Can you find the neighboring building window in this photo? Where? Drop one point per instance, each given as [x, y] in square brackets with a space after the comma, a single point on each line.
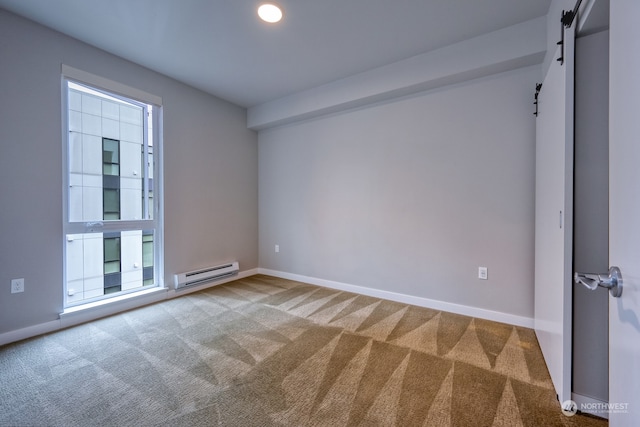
[112, 216]
[112, 276]
[147, 257]
[111, 178]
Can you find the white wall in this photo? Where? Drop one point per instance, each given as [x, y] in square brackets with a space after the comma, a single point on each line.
[210, 163]
[411, 195]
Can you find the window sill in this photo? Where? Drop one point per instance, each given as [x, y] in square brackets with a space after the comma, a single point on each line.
[94, 310]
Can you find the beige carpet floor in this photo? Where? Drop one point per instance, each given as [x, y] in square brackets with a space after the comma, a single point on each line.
[264, 351]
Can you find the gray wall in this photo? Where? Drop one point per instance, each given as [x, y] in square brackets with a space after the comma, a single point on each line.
[591, 216]
[210, 160]
[411, 195]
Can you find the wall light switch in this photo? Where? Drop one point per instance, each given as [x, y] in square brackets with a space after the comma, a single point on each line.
[277, 248]
[483, 273]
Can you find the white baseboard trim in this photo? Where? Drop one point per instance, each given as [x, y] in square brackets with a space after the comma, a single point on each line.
[108, 307]
[29, 331]
[82, 316]
[591, 405]
[465, 310]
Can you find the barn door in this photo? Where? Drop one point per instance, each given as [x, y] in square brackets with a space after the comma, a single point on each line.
[554, 213]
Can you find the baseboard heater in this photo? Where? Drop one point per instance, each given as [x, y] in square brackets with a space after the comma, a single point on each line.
[203, 275]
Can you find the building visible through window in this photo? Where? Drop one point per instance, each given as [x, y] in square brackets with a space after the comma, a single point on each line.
[110, 223]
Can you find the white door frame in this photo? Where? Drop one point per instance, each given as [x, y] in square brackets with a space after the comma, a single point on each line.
[624, 211]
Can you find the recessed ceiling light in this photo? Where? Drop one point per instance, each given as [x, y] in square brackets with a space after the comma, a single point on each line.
[269, 12]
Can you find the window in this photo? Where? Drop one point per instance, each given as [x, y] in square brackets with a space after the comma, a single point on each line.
[147, 257]
[112, 213]
[111, 270]
[111, 178]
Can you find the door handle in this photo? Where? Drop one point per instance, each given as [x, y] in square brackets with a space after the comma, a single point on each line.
[612, 281]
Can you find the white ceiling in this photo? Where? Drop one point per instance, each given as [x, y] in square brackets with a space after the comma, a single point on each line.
[221, 47]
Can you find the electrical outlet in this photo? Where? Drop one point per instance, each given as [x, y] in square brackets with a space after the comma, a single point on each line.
[277, 248]
[483, 273]
[17, 285]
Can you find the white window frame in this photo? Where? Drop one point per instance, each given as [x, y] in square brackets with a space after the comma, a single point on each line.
[112, 88]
